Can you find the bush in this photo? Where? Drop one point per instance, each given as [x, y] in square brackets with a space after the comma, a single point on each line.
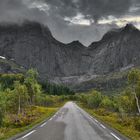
[49, 101]
[1, 117]
[107, 103]
[137, 123]
[94, 99]
[102, 112]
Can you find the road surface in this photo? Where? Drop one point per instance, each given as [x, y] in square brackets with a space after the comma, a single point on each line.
[72, 123]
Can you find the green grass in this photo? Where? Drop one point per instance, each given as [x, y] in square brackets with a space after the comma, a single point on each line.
[124, 126]
[10, 131]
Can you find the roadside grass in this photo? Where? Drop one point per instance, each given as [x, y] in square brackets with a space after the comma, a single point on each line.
[37, 115]
[126, 125]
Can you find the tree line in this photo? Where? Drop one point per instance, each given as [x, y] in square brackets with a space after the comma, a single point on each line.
[126, 104]
[19, 92]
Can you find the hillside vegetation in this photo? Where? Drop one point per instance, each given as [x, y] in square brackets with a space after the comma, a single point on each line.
[24, 103]
[120, 111]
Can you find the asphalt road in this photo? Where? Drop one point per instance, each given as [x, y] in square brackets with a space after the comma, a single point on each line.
[72, 123]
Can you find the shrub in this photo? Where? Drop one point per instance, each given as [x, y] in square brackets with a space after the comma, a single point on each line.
[94, 99]
[107, 103]
[137, 123]
[1, 117]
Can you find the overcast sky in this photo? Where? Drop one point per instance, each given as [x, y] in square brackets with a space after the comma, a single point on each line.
[68, 20]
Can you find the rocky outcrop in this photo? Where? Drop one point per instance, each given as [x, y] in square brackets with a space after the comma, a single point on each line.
[32, 45]
[118, 49]
[9, 66]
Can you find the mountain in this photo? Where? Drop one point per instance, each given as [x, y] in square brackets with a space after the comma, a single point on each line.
[119, 49]
[31, 44]
[9, 66]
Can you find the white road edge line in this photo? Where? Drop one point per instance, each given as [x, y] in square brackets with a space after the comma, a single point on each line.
[87, 114]
[115, 136]
[28, 134]
[50, 119]
[95, 120]
[102, 126]
[43, 124]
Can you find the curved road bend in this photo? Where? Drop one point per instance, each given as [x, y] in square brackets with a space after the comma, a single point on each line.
[72, 123]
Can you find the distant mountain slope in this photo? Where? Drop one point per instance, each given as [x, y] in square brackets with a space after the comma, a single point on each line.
[118, 50]
[32, 45]
[9, 66]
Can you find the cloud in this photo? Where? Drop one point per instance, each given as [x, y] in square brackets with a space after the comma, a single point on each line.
[41, 6]
[122, 21]
[91, 9]
[17, 11]
[84, 20]
[79, 19]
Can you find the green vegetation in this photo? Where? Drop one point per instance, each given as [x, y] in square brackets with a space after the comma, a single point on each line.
[32, 117]
[23, 102]
[120, 111]
[108, 84]
[55, 89]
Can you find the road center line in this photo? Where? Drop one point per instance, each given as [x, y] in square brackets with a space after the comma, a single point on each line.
[115, 136]
[28, 134]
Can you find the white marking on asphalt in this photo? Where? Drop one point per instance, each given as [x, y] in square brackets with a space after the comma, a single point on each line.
[2, 57]
[102, 126]
[115, 136]
[28, 134]
[43, 124]
[95, 120]
[50, 119]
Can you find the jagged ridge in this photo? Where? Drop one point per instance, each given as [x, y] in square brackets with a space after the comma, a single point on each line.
[32, 45]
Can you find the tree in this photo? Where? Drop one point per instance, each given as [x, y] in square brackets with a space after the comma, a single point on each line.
[2, 104]
[1, 116]
[21, 95]
[55, 89]
[107, 103]
[7, 80]
[32, 85]
[125, 103]
[134, 81]
[94, 99]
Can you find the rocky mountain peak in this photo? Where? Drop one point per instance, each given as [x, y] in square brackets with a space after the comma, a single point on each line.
[32, 45]
[33, 27]
[129, 27]
[76, 44]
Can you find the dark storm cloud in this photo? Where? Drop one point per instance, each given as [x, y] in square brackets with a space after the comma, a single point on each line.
[91, 8]
[18, 11]
[54, 12]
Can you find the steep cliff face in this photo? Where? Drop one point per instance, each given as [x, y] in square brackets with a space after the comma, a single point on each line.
[32, 45]
[118, 50]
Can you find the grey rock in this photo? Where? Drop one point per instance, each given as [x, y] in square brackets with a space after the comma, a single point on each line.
[32, 45]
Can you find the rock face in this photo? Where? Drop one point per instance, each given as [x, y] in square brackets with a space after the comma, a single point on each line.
[118, 50]
[9, 66]
[32, 45]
